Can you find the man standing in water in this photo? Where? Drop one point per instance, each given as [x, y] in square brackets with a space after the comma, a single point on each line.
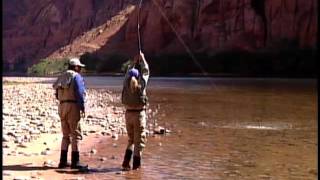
[70, 91]
[134, 98]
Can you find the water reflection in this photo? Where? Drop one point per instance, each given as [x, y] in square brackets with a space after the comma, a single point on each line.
[241, 129]
[241, 132]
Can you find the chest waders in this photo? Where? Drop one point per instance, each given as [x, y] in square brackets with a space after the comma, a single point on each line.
[69, 113]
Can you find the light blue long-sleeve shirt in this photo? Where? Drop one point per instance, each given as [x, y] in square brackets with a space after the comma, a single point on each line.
[80, 90]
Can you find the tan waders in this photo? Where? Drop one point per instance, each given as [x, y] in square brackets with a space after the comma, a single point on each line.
[136, 128]
[70, 124]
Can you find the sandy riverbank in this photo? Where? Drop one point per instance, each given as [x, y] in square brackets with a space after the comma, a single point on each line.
[31, 127]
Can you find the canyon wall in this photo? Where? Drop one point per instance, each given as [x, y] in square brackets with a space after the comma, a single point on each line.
[61, 28]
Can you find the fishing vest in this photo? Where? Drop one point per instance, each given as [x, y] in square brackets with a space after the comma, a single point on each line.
[65, 86]
[129, 98]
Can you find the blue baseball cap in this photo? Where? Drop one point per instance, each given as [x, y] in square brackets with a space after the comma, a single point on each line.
[134, 72]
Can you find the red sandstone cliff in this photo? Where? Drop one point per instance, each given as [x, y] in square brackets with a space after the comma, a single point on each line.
[58, 28]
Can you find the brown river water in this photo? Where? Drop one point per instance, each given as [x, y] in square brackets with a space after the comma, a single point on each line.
[222, 128]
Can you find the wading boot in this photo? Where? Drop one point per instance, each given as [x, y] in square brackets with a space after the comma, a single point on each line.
[63, 159]
[75, 163]
[136, 162]
[126, 160]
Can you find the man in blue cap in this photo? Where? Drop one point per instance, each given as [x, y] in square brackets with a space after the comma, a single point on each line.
[134, 97]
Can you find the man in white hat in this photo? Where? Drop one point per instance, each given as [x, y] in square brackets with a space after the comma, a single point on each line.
[70, 91]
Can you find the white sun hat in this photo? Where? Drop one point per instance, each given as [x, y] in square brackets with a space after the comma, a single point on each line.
[75, 62]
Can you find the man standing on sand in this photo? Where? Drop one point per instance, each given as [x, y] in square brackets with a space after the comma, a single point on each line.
[70, 91]
[134, 98]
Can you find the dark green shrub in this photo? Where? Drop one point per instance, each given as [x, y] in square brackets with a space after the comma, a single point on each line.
[112, 63]
[91, 61]
[48, 67]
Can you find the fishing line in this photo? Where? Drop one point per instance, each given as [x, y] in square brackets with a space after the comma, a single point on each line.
[183, 43]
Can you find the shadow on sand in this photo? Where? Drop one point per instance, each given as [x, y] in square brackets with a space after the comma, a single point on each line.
[89, 171]
[26, 168]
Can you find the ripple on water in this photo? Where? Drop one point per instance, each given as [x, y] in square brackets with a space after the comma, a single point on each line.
[259, 126]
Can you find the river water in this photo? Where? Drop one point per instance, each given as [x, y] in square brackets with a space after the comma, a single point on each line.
[222, 128]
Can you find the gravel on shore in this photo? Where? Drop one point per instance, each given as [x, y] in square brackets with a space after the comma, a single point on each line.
[30, 110]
